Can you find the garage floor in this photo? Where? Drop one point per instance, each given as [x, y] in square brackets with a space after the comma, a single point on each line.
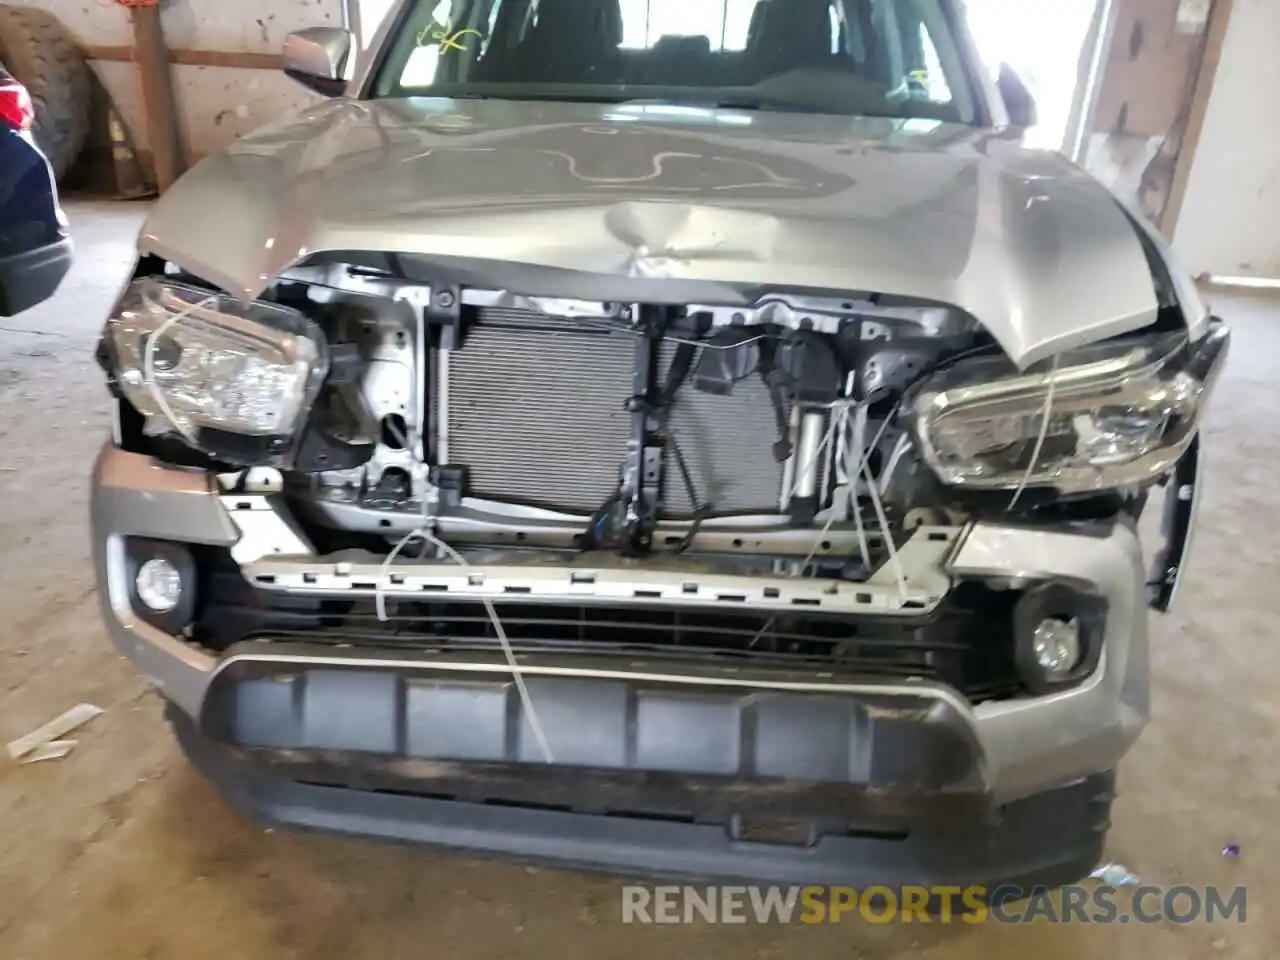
[121, 851]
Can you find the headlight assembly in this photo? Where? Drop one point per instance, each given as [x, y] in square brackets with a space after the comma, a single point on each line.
[236, 379]
[1118, 413]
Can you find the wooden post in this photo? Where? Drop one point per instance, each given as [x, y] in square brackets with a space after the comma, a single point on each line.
[1197, 109]
[157, 95]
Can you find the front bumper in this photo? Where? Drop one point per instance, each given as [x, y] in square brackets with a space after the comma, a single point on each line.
[892, 754]
[1052, 838]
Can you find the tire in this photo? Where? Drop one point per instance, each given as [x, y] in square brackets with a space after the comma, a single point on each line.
[40, 53]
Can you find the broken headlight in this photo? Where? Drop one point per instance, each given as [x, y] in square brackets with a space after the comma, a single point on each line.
[235, 379]
[1105, 416]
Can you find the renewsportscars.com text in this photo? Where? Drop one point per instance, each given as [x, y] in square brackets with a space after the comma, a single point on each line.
[939, 904]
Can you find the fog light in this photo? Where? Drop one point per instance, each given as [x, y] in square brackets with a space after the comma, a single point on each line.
[162, 583]
[1057, 646]
[1057, 633]
[159, 585]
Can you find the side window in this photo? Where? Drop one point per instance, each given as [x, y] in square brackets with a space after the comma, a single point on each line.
[493, 23]
[909, 61]
[737, 23]
[934, 79]
[420, 70]
[635, 24]
[448, 41]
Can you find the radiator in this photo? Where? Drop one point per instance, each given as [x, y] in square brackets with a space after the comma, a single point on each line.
[536, 414]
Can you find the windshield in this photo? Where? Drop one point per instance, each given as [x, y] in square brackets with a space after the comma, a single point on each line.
[889, 58]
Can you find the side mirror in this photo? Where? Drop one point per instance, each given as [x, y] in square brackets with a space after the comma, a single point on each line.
[1018, 102]
[317, 58]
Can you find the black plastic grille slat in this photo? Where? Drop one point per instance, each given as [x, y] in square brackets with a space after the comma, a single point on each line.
[552, 627]
[967, 649]
[867, 666]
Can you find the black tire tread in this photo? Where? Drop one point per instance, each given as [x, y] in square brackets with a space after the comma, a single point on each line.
[42, 55]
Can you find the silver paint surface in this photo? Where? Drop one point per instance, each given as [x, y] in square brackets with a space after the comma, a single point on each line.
[718, 200]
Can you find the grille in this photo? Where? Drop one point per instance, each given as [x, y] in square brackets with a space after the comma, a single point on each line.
[536, 414]
[967, 649]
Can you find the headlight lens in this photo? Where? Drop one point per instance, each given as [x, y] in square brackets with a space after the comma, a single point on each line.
[211, 366]
[1121, 413]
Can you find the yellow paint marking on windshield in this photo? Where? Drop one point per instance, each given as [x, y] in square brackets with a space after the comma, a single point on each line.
[444, 37]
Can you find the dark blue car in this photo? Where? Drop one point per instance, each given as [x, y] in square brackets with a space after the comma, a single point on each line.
[35, 249]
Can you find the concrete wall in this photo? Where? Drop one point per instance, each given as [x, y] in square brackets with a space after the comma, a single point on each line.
[216, 104]
[1229, 218]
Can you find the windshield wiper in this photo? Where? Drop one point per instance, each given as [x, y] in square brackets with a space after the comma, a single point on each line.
[754, 101]
[730, 101]
[523, 95]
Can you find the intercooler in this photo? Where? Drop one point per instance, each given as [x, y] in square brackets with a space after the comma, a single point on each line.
[536, 414]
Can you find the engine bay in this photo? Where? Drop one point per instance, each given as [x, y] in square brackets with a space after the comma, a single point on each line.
[765, 437]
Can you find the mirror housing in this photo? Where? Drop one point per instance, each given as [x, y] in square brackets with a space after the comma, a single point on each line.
[1018, 102]
[317, 58]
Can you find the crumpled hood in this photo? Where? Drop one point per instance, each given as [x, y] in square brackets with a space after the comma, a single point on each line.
[1035, 249]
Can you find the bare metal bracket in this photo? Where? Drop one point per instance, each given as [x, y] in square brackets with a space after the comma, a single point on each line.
[922, 559]
[1178, 524]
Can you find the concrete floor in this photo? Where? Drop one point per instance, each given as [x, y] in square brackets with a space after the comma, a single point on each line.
[121, 851]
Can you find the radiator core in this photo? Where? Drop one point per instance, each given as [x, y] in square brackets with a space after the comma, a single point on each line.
[536, 414]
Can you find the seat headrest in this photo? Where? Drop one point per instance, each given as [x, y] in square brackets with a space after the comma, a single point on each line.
[598, 20]
[669, 45]
[758, 13]
[791, 33]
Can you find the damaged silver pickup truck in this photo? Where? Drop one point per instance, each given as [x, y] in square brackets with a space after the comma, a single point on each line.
[712, 448]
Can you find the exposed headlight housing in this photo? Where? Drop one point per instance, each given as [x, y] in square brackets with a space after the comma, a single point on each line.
[236, 379]
[1119, 413]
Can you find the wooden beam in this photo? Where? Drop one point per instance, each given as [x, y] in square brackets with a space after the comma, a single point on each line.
[190, 58]
[157, 95]
[1215, 36]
